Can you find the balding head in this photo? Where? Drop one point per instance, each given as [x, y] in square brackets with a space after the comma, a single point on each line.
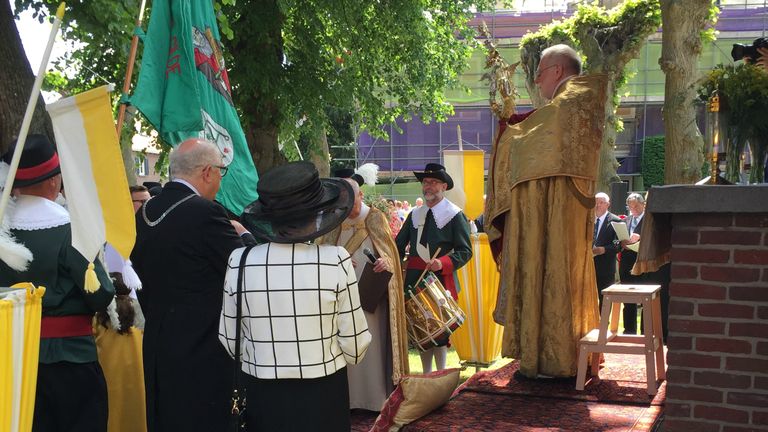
[557, 63]
[198, 162]
[602, 202]
[358, 199]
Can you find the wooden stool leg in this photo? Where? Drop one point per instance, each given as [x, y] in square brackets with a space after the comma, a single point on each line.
[581, 375]
[650, 360]
[595, 369]
[661, 370]
[604, 319]
[615, 311]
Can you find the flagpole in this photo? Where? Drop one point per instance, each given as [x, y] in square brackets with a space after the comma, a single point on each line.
[129, 69]
[21, 140]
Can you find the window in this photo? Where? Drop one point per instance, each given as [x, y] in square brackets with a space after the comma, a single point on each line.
[142, 165]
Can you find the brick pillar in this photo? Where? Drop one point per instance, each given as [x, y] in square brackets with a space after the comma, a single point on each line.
[718, 320]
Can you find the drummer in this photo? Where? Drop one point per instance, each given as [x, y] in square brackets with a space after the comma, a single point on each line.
[437, 236]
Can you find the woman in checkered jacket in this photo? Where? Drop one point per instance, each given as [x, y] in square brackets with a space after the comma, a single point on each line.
[301, 317]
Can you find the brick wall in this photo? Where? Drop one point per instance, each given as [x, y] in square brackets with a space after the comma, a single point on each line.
[718, 323]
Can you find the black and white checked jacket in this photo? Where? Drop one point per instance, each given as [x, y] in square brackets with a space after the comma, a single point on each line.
[300, 308]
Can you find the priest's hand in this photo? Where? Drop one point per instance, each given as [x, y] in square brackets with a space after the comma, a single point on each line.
[381, 265]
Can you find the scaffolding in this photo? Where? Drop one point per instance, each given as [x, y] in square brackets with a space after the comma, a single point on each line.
[417, 143]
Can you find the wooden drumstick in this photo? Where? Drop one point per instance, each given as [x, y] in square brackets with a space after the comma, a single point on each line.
[418, 281]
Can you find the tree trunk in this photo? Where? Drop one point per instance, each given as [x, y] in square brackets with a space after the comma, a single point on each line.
[319, 153]
[261, 39]
[683, 21]
[262, 142]
[17, 80]
[126, 145]
[606, 171]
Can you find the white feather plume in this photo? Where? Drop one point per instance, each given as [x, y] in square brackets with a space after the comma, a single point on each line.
[16, 255]
[4, 170]
[369, 172]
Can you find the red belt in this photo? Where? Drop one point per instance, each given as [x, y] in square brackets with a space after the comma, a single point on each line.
[66, 326]
[416, 263]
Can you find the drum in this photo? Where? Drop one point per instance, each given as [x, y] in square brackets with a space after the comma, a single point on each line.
[431, 313]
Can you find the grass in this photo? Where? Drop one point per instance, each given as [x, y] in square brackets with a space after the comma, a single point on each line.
[453, 361]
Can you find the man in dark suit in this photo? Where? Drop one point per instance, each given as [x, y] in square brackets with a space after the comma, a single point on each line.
[605, 244]
[634, 221]
[183, 242]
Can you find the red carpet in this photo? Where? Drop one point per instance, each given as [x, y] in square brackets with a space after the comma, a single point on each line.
[622, 380]
[500, 400]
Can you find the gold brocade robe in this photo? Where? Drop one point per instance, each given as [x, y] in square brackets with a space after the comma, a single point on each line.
[376, 227]
[540, 217]
[120, 359]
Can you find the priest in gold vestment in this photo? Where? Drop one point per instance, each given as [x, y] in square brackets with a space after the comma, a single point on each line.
[386, 361]
[540, 218]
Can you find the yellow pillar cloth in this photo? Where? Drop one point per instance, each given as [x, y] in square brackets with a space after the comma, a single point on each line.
[541, 209]
[478, 340]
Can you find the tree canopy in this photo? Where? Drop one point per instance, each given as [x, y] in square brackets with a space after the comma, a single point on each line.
[292, 62]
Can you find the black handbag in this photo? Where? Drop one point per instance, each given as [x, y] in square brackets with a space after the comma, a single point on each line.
[237, 417]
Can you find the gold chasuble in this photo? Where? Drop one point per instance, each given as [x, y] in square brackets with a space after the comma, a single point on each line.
[376, 227]
[540, 220]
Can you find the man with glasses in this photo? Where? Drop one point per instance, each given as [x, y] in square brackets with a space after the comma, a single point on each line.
[183, 242]
[438, 229]
[540, 217]
[139, 195]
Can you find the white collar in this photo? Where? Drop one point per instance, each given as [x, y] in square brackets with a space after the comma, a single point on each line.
[187, 184]
[443, 212]
[364, 210]
[602, 218]
[36, 213]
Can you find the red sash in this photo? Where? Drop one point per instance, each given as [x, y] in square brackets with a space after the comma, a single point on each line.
[416, 263]
[66, 326]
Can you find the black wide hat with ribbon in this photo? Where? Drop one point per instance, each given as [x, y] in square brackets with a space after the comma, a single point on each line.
[436, 171]
[295, 205]
[39, 161]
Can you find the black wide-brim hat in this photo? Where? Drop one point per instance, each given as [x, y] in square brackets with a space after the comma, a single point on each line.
[436, 171]
[295, 205]
[39, 161]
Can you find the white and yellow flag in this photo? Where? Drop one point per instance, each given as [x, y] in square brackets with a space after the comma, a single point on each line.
[92, 169]
[467, 169]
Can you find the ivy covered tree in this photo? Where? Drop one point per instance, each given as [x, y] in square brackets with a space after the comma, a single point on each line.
[608, 39]
[687, 25]
[293, 61]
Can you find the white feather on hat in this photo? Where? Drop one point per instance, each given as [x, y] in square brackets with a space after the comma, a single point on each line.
[369, 172]
[15, 254]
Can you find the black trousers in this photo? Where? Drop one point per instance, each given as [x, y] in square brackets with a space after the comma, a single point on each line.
[71, 397]
[298, 405]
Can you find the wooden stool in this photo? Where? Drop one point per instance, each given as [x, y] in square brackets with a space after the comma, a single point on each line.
[603, 340]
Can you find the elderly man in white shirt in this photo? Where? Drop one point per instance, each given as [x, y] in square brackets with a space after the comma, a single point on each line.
[302, 322]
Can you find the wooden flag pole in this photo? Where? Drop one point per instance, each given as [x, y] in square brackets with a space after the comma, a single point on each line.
[129, 69]
[458, 131]
[31, 103]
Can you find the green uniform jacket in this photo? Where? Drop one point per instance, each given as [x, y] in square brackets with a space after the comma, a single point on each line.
[60, 268]
[452, 239]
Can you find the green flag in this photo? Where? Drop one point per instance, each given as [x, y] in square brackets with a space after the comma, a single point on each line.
[184, 91]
